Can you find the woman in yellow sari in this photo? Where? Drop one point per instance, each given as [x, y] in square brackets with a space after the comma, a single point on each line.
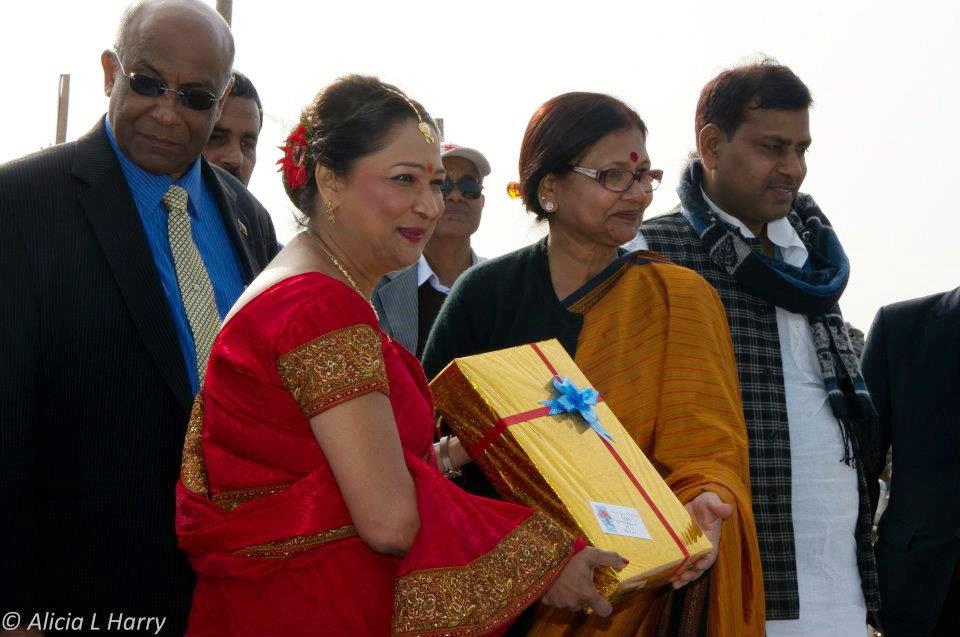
[652, 338]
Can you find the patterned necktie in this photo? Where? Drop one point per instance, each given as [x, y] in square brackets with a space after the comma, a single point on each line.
[196, 290]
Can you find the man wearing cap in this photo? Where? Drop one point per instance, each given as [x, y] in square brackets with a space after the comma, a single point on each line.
[409, 300]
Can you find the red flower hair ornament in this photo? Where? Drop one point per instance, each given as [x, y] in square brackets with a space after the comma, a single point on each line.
[293, 164]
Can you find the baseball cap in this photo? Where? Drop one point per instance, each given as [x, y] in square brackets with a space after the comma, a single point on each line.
[473, 156]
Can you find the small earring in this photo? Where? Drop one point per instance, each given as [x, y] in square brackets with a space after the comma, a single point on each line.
[549, 206]
[328, 208]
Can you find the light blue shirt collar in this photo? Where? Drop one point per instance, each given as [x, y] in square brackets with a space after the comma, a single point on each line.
[147, 188]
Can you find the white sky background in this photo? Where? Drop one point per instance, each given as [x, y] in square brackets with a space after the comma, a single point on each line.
[884, 77]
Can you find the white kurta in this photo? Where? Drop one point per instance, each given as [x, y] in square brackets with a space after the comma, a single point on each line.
[825, 501]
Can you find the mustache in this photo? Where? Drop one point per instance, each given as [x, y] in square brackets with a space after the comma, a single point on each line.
[783, 183]
[165, 136]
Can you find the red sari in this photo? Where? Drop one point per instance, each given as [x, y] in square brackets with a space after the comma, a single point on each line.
[262, 520]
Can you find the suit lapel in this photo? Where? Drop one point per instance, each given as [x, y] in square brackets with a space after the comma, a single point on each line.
[398, 297]
[109, 208]
[234, 220]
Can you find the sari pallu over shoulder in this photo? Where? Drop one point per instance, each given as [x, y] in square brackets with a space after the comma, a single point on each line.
[221, 533]
[472, 570]
[284, 558]
[656, 345]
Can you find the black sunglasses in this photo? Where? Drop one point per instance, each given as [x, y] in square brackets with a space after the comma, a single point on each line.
[469, 187]
[195, 99]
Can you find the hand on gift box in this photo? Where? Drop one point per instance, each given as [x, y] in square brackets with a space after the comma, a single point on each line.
[709, 512]
[574, 587]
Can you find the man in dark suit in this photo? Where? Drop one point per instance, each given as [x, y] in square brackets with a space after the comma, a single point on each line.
[121, 253]
[912, 366]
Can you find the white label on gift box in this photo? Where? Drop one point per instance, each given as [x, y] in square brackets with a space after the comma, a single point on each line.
[618, 520]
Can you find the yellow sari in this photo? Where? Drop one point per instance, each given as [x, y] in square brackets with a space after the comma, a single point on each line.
[655, 343]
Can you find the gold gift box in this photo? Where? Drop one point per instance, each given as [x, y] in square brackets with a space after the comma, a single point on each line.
[559, 464]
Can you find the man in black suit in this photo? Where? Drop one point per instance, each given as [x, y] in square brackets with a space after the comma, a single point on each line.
[121, 252]
[912, 366]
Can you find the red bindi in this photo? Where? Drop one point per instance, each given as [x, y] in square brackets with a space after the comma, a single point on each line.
[429, 167]
[634, 156]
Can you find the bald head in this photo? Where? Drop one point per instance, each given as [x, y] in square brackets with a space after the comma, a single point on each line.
[140, 18]
[180, 45]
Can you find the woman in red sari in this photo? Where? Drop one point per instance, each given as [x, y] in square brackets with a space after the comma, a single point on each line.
[311, 499]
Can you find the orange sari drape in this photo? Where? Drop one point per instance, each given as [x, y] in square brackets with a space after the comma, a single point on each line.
[655, 343]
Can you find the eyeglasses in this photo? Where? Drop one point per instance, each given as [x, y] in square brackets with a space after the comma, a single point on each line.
[620, 180]
[469, 187]
[195, 99]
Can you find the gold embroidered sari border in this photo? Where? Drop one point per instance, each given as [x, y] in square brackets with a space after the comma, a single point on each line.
[289, 547]
[480, 596]
[345, 395]
[230, 500]
[334, 368]
[193, 468]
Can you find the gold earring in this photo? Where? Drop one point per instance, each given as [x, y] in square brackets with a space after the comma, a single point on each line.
[328, 208]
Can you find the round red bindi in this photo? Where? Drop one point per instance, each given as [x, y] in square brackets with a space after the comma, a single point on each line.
[634, 156]
[429, 168]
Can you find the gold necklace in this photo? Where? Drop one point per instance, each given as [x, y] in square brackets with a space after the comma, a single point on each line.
[339, 266]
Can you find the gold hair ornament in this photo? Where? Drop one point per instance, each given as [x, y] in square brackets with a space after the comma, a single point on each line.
[423, 127]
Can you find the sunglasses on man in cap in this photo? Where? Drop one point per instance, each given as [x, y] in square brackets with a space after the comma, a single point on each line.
[468, 186]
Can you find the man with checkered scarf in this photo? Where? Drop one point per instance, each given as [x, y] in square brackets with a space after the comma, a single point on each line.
[780, 270]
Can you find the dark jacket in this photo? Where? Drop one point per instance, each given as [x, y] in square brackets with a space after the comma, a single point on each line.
[94, 396]
[912, 366]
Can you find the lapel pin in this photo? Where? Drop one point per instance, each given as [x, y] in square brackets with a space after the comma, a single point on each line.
[243, 229]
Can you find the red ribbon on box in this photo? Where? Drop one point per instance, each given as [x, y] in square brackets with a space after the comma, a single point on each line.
[533, 414]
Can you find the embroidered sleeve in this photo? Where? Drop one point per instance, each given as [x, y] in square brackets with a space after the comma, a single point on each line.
[480, 596]
[334, 368]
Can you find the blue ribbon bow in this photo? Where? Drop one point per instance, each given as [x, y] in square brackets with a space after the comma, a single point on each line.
[571, 399]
